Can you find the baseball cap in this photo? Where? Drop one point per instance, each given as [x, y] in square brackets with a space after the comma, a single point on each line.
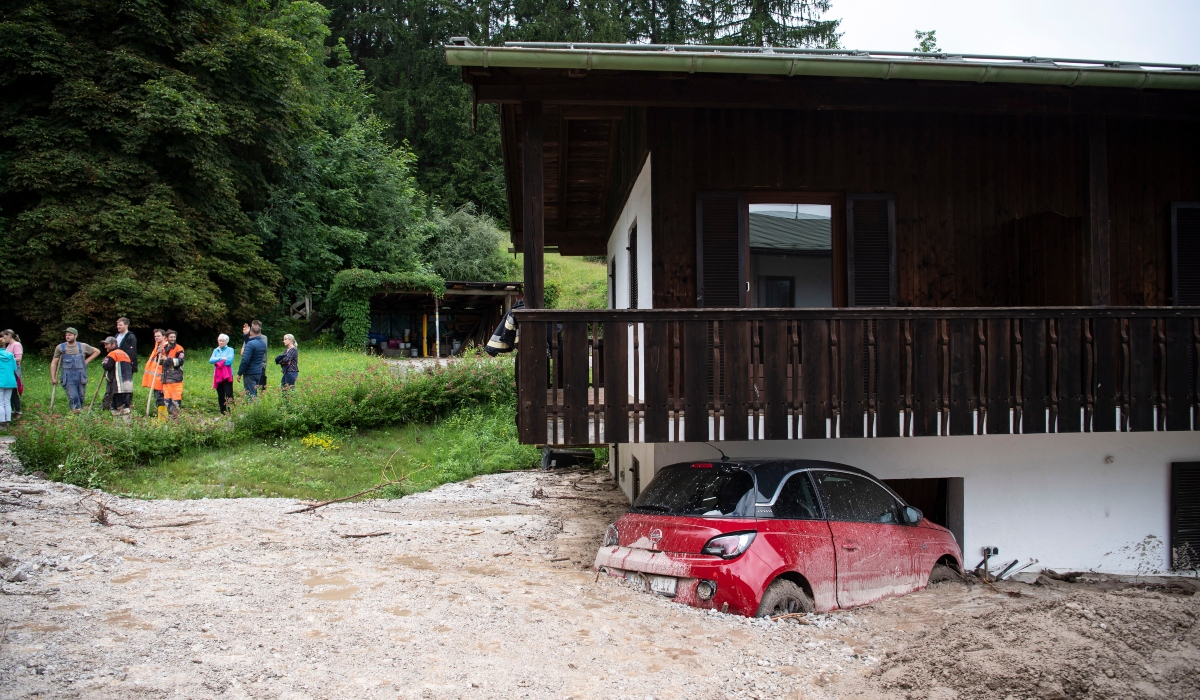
[71, 330]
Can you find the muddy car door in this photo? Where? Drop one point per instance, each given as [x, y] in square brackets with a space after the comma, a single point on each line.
[795, 527]
[870, 539]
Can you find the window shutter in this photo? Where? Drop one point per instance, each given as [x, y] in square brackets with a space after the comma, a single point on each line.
[719, 251]
[871, 249]
[1185, 253]
[633, 268]
[1185, 515]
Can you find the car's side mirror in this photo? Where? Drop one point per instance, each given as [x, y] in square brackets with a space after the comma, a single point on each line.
[912, 515]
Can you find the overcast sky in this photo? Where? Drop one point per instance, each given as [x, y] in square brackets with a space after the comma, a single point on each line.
[1145, 30]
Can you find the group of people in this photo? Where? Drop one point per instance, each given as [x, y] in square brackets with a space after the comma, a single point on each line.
[162, 374]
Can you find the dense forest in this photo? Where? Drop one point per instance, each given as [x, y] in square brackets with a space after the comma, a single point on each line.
[191, 162]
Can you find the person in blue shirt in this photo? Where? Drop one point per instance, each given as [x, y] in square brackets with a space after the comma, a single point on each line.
[222, 362]
[254, 355]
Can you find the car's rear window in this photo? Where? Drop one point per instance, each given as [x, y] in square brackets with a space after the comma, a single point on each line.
[712, 490]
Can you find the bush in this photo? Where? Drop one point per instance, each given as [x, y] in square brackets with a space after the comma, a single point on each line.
[85, 449]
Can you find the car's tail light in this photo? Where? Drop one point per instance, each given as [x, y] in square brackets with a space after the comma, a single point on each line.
[729, 546]
[702, 465]
[612, 538]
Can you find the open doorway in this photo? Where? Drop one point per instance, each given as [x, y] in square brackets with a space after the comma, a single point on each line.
[941, 500]
[791, 255]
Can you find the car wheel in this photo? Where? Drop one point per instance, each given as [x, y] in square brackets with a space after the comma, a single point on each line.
[942, 573]
[783, 598]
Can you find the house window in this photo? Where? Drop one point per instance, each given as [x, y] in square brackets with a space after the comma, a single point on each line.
[791, 255]
[633, 268]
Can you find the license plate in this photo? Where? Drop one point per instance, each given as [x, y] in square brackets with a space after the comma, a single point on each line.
[663, 585]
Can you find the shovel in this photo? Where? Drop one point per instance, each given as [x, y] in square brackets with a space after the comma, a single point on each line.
[99, 384]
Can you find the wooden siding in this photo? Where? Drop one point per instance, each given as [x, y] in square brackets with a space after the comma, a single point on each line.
[991, 210]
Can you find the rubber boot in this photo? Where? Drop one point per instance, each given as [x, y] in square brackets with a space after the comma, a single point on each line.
[162, 412]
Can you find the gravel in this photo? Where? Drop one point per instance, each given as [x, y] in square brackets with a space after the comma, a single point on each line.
[481, 589]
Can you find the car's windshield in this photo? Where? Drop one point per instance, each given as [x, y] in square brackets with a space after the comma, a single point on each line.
[706, 490]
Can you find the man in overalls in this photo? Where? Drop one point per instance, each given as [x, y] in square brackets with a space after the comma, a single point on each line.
[73, 357]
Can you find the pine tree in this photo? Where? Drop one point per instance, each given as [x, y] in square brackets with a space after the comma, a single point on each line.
[791, 23]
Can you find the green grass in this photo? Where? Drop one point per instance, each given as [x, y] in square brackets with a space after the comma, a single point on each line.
[198, 394]
[579, 283]
[472, 441]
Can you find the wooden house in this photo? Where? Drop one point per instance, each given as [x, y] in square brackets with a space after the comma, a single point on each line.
[977, 277]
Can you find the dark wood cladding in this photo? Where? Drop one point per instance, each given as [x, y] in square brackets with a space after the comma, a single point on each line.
[991, 210]
[735, 374]
[590, 159]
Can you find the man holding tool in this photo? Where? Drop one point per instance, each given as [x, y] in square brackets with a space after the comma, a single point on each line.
[118, 372]
[73, 357]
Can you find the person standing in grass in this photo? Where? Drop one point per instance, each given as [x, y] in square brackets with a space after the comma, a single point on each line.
[73, 357]
[152, 376]
[222, 362]
[255, 328]
[127, 343]
[172, 374]
[12, 342]
[254, 355]
[118, 369]
[289, 362]
[8, 385]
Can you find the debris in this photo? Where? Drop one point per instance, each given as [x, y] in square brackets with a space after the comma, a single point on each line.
[368, 534]
[183, 523]
[529, 505]
[128, 540]
[502, 554]
[476, 532]
[561, 559]
[25, 490]
[385, 480]
[797, 616]
[1068, 577]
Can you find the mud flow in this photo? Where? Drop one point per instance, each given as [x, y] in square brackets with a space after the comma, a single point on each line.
[484, 589]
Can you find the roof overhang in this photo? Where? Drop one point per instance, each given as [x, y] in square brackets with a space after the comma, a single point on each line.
[827, 63]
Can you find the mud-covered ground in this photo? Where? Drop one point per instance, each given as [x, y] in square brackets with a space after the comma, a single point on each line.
[482, 590]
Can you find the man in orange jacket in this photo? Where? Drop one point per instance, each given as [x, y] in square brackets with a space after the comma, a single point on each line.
[172, 374]
[152, 375]
[118, 370]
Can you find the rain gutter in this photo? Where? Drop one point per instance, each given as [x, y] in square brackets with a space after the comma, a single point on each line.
[836, 64]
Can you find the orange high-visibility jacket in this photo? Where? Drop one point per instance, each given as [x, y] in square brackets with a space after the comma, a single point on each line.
[152, 375]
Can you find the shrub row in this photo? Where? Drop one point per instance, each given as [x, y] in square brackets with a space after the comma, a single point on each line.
[82, 449]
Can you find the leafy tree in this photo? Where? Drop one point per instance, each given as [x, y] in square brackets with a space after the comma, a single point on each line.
[349, 199]
[926, 41]
[463, 246]
[134, 139]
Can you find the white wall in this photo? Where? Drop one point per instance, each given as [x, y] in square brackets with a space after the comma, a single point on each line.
[636, 210]
[1073, 501]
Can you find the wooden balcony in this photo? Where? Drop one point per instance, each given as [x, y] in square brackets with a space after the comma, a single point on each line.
[781, 374]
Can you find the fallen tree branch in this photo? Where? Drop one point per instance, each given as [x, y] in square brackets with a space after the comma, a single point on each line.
[24, 490]
[501, 554]
[527, 505]
[183, 523]
[368, 534]
[579, 498]
[385, 481]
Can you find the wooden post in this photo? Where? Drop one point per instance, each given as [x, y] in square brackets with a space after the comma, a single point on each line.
[1098, 228]
[532, 206]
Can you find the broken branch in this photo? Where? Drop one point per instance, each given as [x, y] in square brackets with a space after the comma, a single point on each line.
[183, 523]
[368, 534]
[385, 481]
[797, 616]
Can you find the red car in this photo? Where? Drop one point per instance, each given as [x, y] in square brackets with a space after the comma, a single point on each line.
[774, 537]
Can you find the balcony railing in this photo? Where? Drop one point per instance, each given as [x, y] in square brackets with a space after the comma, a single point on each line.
[756, 374]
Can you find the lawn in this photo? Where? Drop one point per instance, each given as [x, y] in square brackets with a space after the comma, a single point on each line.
[198, 394]
[323, 466]
[576, 283]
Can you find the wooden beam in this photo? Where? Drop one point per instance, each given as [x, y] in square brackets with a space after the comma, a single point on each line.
[1098, 229]
[728, 92]
[564, 139]
[533, 199]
